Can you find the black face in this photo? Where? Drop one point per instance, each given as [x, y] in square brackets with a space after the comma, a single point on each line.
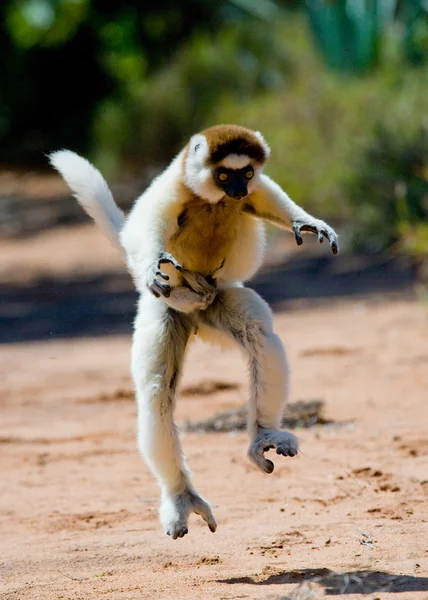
[234, 181]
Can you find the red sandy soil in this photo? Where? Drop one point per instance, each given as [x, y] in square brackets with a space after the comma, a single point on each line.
[349, 514]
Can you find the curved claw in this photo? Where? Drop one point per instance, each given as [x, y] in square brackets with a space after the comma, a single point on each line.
[159, 288]
[203, 509]
[175, 510]
[331, 237]
[163, 275]
[166, 257]
[321, 233]
[296, 229]
[256, 455]
[284, 442]
[179, 533]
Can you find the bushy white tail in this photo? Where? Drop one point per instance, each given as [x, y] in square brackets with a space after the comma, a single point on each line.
[91, 191]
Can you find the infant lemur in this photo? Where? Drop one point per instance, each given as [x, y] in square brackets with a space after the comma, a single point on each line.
[191, 240]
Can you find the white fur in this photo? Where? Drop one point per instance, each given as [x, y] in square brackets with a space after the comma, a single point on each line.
[235, 161]
[91, 191]
[150, 222]
[227, 311]
[153, 220]
[157, 352]
[264, 143]
[198, 176]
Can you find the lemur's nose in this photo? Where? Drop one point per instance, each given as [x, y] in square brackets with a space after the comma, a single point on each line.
[238, 195]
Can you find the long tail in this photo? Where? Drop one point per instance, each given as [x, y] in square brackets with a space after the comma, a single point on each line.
[91, 191]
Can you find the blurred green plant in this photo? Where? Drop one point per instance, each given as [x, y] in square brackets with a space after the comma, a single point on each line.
[149, 119]
[61, 58]
[350, 33]
[42, 22]
[389, 192]
[327, 147]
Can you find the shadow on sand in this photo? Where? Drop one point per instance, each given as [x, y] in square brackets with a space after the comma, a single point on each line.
[335, 584]
[95, 305]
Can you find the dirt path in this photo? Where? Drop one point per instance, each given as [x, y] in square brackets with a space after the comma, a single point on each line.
[79, 507]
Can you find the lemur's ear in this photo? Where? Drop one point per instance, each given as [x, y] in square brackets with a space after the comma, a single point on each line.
[264, 143]
[198, 146]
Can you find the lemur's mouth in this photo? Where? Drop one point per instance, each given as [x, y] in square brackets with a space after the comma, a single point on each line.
[237, 197]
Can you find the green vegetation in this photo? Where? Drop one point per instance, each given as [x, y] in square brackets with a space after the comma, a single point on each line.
[351, 33]
[343, 144]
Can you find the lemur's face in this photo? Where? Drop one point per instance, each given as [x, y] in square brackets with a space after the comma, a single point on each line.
[224, 160]
[233, 182]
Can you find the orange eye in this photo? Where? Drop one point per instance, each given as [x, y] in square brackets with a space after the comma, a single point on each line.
[249, 174]
[223, 176]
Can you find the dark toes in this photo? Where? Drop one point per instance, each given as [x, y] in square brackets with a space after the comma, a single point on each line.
[283, 451]
[299, 240]
[178, 534]
[168, 258]
[163, 289]
[163, 275]
[296, 230]
[286, 451]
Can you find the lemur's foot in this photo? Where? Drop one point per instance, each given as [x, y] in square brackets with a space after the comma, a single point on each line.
[284, 442]
[176, 508]
[204, 288]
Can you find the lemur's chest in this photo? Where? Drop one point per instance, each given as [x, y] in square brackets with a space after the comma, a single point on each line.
[205, 234]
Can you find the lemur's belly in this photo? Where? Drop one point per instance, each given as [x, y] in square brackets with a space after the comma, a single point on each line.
[210, 237]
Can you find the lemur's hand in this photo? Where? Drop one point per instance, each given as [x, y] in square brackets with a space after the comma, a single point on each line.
[156, 285]
[321, 229]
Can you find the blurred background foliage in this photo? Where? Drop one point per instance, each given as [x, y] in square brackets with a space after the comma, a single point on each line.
[338, 88]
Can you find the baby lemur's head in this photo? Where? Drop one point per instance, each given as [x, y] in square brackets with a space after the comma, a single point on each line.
[225, 160]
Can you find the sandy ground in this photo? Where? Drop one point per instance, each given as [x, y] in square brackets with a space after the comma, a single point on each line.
[348, 516]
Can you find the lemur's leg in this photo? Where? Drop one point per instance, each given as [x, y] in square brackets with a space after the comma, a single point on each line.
[159, 343]
[243, 315]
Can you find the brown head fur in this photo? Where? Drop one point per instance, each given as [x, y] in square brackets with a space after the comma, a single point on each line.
[233, 139]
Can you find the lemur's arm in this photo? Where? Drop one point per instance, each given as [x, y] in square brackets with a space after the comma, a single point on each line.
[271, 203]
[144, 236]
